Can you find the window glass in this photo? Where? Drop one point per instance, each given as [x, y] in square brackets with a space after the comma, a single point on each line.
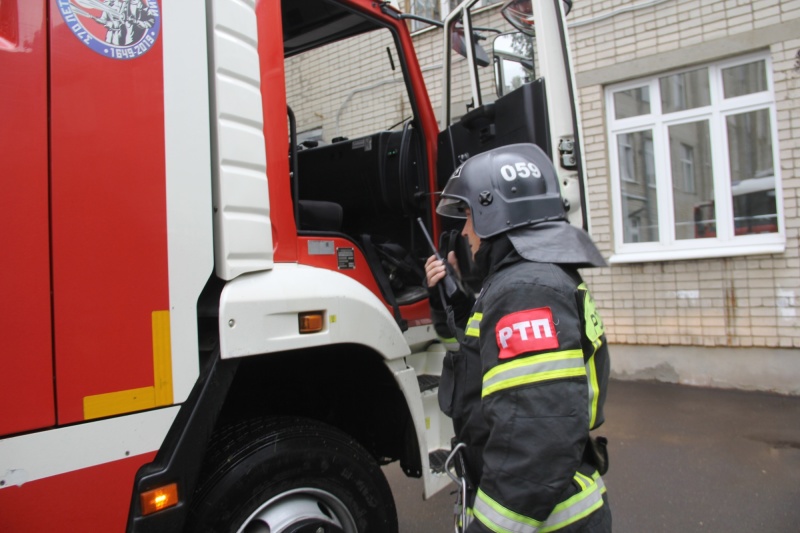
[686, 90]
[752, 173]
[697, 177]
[639, 196]
[692, 180]
[514, 75]
[750, 145]
[513, 53]
[744, 79]
[632, 103]
[424, 8]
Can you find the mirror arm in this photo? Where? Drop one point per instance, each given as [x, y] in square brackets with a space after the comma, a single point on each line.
[392, 12]
[481, 28]
[432, 22]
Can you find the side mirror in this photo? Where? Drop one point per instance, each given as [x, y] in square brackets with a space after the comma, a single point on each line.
[519, 13]
[513, 61]
[459, 45]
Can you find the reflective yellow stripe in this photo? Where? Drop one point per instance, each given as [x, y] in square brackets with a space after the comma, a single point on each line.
[594, 332]
[128, 401]
[583, 481]
[533, 369]
[579, 480]
[450, 344]
[577, 507]
[499, 519]
[114, 403]
[474, 325]
[594, 391]
[162, 358]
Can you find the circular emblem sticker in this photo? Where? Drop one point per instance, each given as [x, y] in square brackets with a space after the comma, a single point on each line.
[119, 29]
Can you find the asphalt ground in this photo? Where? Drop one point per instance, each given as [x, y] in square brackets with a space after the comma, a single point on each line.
[682, 459]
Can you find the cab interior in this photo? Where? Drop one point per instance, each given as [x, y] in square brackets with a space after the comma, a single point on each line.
[358, 164]
[358, 160]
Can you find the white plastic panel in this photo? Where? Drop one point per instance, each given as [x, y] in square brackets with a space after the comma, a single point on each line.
[188, 168]
[554, 66]
[434, 428]
[242, 228]
[259, 313]
[432, 483]
[49, 453]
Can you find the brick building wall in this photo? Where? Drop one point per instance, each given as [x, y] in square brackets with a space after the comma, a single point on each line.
[747, 301]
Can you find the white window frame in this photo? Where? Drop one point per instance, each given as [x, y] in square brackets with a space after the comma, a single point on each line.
[687, 168]
[726, 243]
[626, 176]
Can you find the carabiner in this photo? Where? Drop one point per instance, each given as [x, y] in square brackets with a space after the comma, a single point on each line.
[460, 510]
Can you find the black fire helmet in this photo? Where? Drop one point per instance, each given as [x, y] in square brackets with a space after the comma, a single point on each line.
[504, 188]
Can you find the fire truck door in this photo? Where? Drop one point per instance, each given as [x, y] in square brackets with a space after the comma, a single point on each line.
[108, 209]
[26, 359]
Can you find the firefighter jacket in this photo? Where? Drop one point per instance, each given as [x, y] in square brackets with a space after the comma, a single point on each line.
[524, 388]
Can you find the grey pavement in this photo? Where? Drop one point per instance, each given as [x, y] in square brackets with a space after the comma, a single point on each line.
[683, 459]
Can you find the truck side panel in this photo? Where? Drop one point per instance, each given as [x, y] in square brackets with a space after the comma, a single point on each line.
[109, 240]
[98, 496]
[26, 400]
[79, 477]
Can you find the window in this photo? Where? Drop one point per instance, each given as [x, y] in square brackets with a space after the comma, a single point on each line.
[430, 9]
[694, 163]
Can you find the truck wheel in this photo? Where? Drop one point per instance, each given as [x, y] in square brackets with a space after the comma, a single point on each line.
[287, 475]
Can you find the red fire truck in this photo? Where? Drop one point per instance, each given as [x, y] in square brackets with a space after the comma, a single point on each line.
[213, 308]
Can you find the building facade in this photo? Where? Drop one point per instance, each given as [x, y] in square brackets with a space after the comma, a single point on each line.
[691, 129]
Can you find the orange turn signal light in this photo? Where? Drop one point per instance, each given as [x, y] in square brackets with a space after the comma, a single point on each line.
[159, 498]
[311, 322]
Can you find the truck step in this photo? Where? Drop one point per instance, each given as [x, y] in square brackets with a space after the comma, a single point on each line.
[437, 458]
[427, 382]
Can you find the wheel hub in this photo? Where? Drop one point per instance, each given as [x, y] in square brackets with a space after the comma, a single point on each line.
[301, 511]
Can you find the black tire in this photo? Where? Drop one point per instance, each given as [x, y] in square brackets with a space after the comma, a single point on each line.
[292, 475]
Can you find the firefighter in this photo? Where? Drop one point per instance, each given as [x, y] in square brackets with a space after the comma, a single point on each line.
[527, 369]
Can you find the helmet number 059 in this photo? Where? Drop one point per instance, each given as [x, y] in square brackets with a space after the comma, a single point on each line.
[520, 170]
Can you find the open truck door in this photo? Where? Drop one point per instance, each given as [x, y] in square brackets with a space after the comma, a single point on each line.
[526, 93]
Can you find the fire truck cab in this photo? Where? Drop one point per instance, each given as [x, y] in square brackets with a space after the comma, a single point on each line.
[214, 291]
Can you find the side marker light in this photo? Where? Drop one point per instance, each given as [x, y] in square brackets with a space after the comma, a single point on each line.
[310, 322]
[159, 498]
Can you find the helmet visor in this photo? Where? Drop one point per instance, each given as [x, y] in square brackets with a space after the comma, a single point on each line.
[452, 207]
